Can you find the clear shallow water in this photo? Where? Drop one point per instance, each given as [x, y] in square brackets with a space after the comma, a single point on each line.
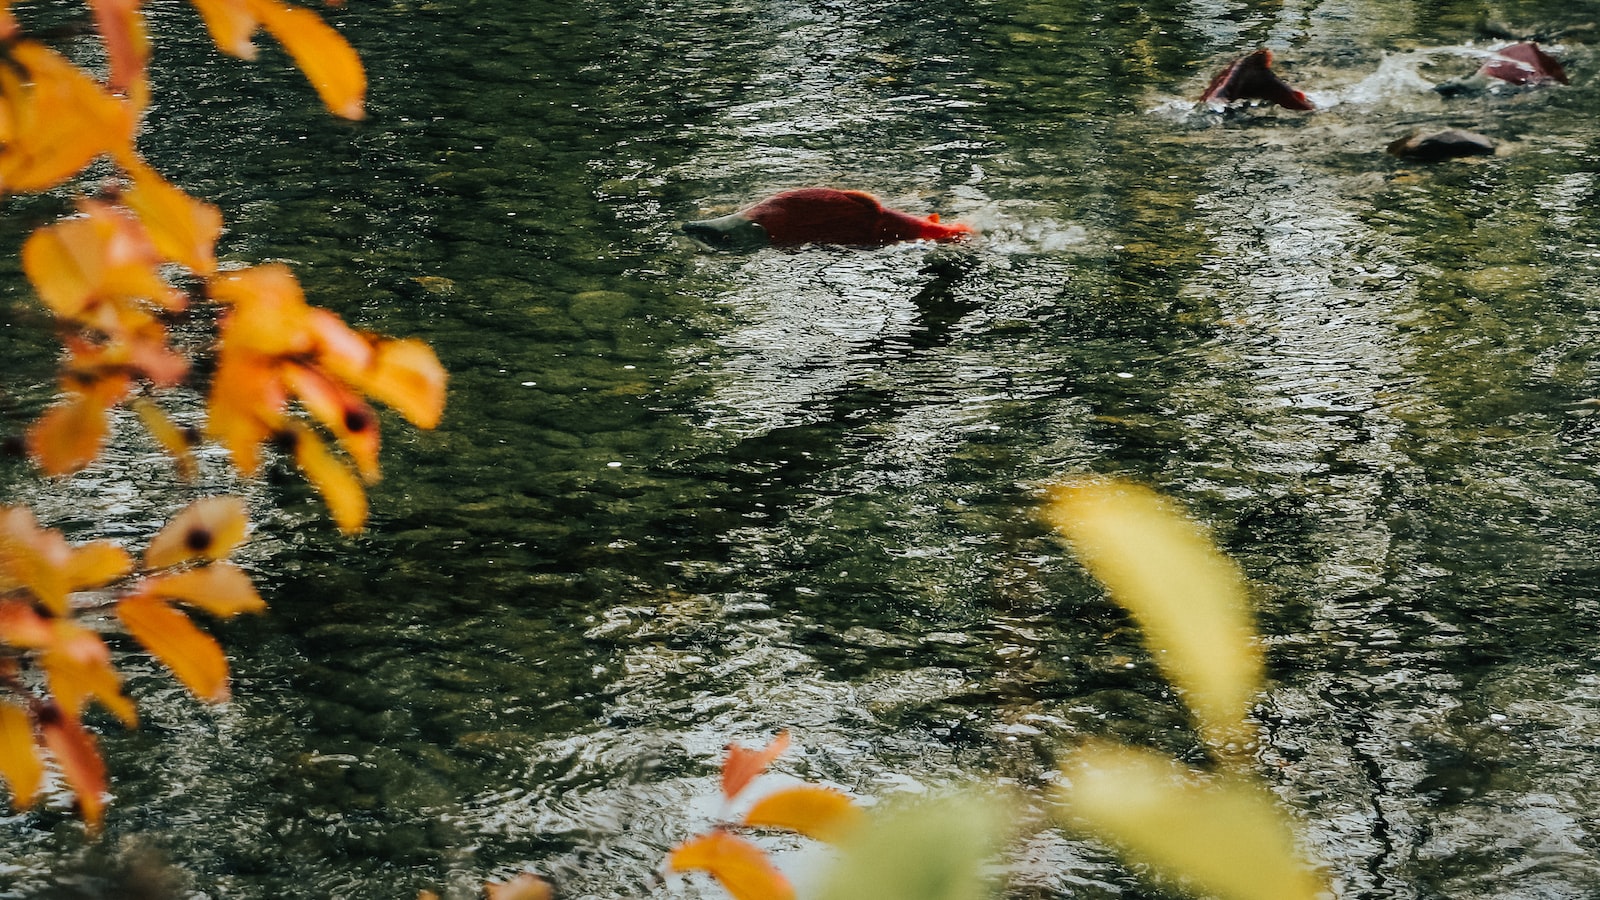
[683, 498]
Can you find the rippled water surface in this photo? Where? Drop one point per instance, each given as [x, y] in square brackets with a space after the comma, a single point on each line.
[682, 498]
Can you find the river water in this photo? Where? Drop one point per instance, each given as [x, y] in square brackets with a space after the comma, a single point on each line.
[681, 498]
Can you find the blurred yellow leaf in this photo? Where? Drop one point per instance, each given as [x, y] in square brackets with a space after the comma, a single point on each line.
[22, 626]
[1189, 600]
[221, 589]
[103, 255]
[94, 564]
[268, 312]
[78, 665]
[59, 122]
[74, 751]
[741, 867]
[68, 436]
[231, 24]
[351, 420]
[246, 405]
[20, 764]
[407, 377]
[174, 440]
[322, 54]
[35, 558]
[183, 229]
[209, 528]
[812, 810]
[338, 485]
[1226, 837]
[192, 655]
[941, 849]
[121, 28]
[526, 886]
[743, 764]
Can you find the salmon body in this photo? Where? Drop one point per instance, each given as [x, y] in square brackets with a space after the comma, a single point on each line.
[1524, 63]
[1251, 78]
[821, 216]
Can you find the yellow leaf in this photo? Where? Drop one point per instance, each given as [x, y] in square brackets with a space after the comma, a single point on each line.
[352, 421]
[407, 377]
[183, 229]
[1189, 600]
[104, 255]
[940, 849]
[322, 54]
[121, 28]
[231, 24]
[78, 664]
[35, 558]
[246, 405]
[19, 755]
[22, 626]
[94, 564]
[68, 436]
[75, 752]
[174, 440]
[269, 314]
[526, 886]
[221, 589]
[743, 764]
[338, 485]
[192, 655]
[1226, 837]
[209, 528]
[741, 867]
[812, 810]
[59, 123]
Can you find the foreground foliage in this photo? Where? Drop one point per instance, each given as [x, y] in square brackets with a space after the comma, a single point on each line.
[135, 254]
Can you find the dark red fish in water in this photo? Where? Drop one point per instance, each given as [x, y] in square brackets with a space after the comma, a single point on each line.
[821, 216]
[1524, 63]
[1251, 78]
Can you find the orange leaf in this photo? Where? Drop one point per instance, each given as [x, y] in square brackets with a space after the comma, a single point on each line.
[231, 24]
[222, 589]
[191, 654]
[68, 436]
[78, 664]
[205, 529]
[59, 123]
[94, 564]
[172, 439]
[246, 405]
[22, 626]
[407, 377]
[35, 558]
[740, 866]
[526, 886]
[352, 421]
[743, 764]
[322, 53]
[182, 228]
[19, 755]
[121, 27]
[812, 810]
[75, 752]
[338, 485]
[103, 255]
[269, 314]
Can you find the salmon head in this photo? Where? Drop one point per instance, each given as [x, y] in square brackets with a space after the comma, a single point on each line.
[821, 216]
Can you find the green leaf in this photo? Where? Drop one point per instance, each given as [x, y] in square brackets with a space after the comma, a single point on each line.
[931, 850]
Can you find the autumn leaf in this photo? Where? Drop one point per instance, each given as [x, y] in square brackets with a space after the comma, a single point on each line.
[338, 485]
[221, 589]
[1225, 836]
[20, 764]
[351, 420]
[231, 24]
[192, 655]
[526, 886]
[174, 440]
[95, 564]
[183, 229]
[738, 865]
[209, 528]
[78, 665]
[246, 406]
[60, 121]
[122, 30]
[742, 764]
[815, 811]
[268, 312]
[938, 849]
[408, 378]
[35, 558]
[327, 60]
[104, 254]
[74, 751]
[1188, 599]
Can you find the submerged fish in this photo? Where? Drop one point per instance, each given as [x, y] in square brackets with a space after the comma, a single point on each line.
[1251, 78]
[820, 216]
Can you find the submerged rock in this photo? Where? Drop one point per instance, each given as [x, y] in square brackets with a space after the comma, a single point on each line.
[1447, 144]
